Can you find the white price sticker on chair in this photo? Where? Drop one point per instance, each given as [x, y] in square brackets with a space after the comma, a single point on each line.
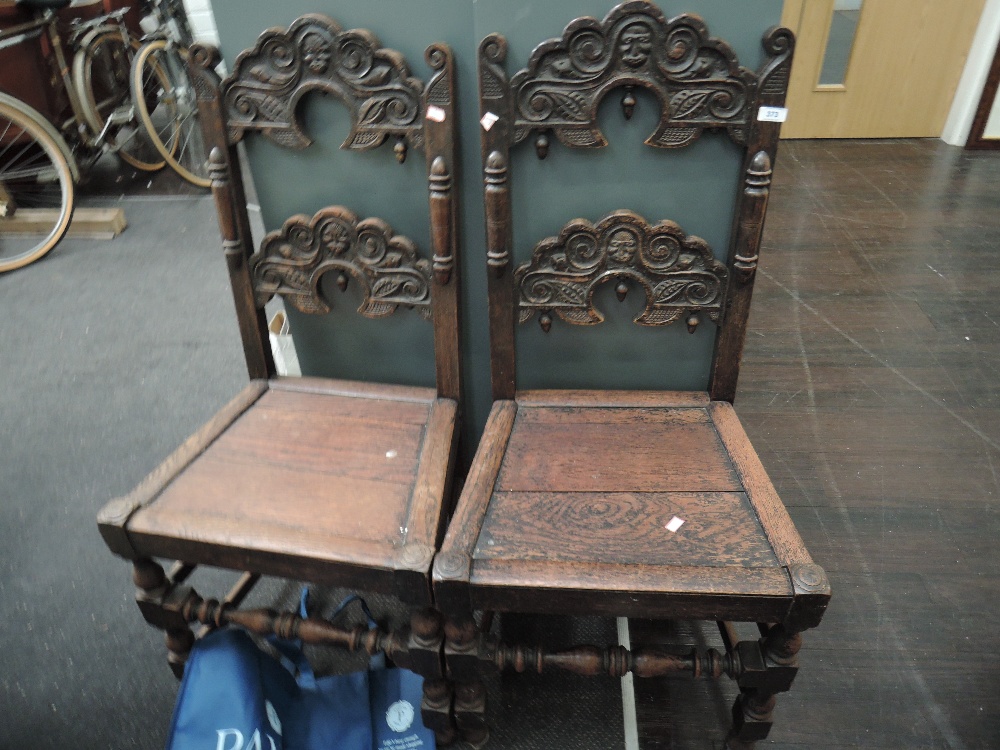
[772, 114]
[435, 114]
[488, 120]
[675, 523]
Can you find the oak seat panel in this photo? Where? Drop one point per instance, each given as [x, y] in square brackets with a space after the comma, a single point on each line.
[582, 492]
[304, 473]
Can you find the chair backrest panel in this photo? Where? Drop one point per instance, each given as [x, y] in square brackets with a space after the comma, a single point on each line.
[699, 85]
[386, 105]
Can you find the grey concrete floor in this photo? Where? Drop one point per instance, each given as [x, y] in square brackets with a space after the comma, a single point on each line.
[113, 352]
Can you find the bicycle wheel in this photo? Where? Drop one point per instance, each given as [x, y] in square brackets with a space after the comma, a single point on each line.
[36, 187]
[169, 110]
[100, 75]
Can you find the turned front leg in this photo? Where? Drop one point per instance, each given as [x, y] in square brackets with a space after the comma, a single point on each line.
[769, 667]
[462, 654]
[153, 589]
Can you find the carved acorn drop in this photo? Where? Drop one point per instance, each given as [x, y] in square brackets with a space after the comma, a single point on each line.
[628, 103]
[542, 145]
[342, 281]
[692, 322]
[621, 290]
[400, 149]
[545, 321]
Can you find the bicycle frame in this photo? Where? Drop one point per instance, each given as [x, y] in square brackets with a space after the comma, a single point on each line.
[47, 23]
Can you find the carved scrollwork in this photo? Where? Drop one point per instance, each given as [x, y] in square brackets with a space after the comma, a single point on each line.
[678, 273]
[292, 261]
[315, 53]
[696, 77]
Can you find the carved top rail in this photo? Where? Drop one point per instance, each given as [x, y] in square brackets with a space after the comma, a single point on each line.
[696, 77]
[291, 262]
[316, 53]
[678, 273]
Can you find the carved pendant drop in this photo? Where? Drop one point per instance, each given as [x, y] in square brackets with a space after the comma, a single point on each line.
[400, 149]
[628, 103]
[542, 145]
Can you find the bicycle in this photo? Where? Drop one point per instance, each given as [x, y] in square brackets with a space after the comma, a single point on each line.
[169, 109]
[41, 162]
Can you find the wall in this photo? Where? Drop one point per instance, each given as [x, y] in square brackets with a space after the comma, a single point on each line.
[202, 20]
[970, 86]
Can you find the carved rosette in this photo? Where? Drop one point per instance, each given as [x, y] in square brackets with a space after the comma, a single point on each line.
[292, 261]
[315, 53]
[678, 273]
[696, 77]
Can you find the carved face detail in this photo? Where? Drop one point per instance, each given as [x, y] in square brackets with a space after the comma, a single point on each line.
[316, 53]
[622, 246]
[635, 45]
[336, 238]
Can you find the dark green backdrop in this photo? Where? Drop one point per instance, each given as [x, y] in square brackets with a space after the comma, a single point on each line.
[695, 187]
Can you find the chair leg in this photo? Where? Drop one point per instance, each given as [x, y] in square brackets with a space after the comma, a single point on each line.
[425, 647]
[153, 589]
[462, 646]
[753, 709]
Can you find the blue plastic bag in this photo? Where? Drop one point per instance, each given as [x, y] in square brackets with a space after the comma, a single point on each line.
[234, 696]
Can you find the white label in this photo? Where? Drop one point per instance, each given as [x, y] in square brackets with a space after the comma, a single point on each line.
[675, 523]
[772, 114]
[435, 113]
[400, 715]
[489, 120]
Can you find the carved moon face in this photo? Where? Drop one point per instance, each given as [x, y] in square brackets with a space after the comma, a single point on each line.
[316, 53]
[635, 45]
[622, 246]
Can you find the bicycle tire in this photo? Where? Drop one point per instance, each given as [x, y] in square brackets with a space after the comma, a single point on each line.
[36, 178]
[100, 74]
[172, 122]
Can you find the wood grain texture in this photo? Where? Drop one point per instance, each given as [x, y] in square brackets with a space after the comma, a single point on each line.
[719, 529]
[773, 516]
[354, 389]
[316, 480]
[615, 450]
[114, 516]
[453, 563]
[631, 590]
[567, 398]
[748, 218]
[425, 517]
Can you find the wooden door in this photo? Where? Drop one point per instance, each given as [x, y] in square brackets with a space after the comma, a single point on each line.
[876, 68]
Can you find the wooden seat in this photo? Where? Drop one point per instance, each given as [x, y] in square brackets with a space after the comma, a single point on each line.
[644, 504]
[334, 482]
[586, 518]
[317, 479]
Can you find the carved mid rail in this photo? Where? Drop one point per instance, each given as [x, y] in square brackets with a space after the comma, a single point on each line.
[292, 261]
[678, 273]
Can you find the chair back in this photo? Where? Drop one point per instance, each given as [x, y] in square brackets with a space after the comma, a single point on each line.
[700, 86]
[388, 108]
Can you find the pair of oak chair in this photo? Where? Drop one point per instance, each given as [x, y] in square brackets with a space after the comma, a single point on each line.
[573, 499]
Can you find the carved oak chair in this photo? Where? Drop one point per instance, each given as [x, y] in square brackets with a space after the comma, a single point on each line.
[328, 481]
[645, 504]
